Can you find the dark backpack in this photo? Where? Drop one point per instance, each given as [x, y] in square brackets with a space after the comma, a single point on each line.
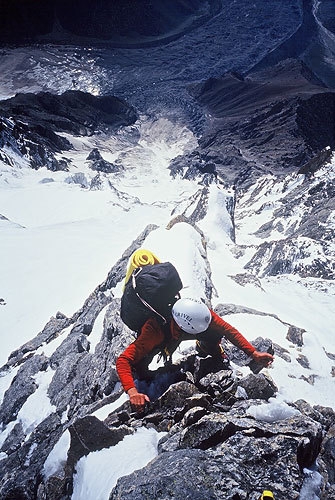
[150, 292]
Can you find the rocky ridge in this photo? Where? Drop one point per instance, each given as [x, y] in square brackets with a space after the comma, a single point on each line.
[209, 416]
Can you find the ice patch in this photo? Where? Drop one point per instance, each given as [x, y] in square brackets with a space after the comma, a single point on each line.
[272, 411]
[311, 487]
[38, 406]
[58, 455]
[103, 412]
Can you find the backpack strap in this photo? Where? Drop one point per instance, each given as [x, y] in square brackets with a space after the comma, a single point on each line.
[144, 302]
[169, 346]
[166, 351]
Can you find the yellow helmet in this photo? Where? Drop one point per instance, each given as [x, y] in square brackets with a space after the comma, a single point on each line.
[267, 495]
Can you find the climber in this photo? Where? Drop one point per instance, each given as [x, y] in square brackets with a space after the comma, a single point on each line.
[191, 319]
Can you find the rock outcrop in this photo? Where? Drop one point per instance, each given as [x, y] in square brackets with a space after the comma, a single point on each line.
[275, 120]
[31, 124]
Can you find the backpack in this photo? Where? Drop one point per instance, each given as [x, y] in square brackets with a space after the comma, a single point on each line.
[150, 292]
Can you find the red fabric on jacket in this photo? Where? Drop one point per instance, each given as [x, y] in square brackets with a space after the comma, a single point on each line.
[152, 337]
[224, 329]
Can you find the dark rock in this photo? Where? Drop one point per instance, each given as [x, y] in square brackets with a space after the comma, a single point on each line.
[30, 123]
[213, 429]
[208, 432]
[198, 400]
[76, 112]
[153, 418]
[312, 224]
[175, 397]
[328, 454]
[317, 162]
[218, 474]
[14, 440]
[193, 415]
[116, 419]
[207, 366]
[23, 385]
[78, 178]
[244, 279]
[325, 416]
[52, 489]
[94, 155]
[29, 460]
[90, 434]
[96, 183]
[60, 315]
[258, 386]
[52, 330]
[295, 335]
[303, 361]
[47, 180]
[194, 165]
[105, 166]
[83, 344]
[315, 120]
[100, 165]
[217, 383]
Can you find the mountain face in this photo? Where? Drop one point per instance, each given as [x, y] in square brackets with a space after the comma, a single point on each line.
[265, 143]
[123, 23]
[275, 120]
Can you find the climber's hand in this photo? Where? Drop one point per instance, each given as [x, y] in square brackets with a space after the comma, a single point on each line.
[137, 400]
[263, 358]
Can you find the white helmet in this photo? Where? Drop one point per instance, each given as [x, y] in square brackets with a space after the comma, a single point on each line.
[191, 315]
